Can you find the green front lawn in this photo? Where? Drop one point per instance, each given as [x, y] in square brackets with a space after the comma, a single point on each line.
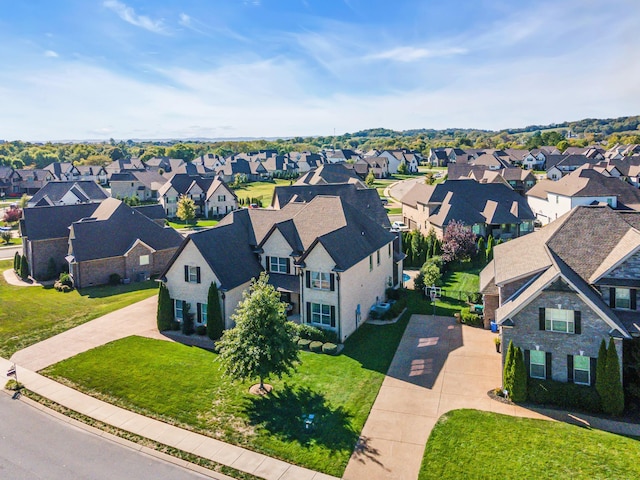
[184, 385]
[12, 242]
[263, 191]
[31, 314]
[197, 223]
[473, 444]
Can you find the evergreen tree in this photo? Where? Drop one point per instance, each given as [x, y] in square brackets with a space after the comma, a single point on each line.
[215, 322]
[507, 371]
[518, 391]
[482, 252]
[263, 342]
[614, 404]
[187, 319]
[16, 262]
[601, 370]
[165, 309]
[489, 248]
[24, 268]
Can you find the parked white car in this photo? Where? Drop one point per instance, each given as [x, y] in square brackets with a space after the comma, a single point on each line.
[399, 226]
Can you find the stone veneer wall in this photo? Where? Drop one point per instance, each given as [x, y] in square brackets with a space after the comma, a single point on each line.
[526, 333]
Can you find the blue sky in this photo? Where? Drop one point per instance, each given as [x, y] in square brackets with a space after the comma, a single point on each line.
[93, 69]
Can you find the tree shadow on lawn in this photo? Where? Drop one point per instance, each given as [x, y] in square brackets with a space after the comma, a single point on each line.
[104, 291]
[281, 414]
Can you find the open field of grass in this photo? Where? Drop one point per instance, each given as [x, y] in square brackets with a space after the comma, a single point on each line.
[185, 386]
[31, 314]
[263, 191]
[473, 444]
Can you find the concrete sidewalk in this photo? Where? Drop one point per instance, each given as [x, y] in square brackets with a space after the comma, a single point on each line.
[136, 319]
[200, 445]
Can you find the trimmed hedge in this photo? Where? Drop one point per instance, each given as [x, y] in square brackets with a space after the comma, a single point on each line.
[329, 348]
[303, 343]
[309, 332]
[565, 395]
[315, 346]
[201, 330]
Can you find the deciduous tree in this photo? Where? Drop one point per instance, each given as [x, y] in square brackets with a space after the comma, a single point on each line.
[458, 243]
[262, 342]
[186, 209]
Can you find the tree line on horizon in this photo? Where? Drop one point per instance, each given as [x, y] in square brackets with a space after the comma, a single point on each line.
[20, 154]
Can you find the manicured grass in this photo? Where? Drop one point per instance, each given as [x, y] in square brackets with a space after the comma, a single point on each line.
[185, 385]
[199, 223]
[263, 191]
[473, 444]
[455, 287]
[394, 211]
[31, 314]
[14, 241]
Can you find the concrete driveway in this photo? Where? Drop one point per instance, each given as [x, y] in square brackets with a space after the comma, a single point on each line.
[439, 366]
[136, 319]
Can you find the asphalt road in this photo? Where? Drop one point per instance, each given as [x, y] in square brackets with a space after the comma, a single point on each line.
[9, 252]
[36, 446]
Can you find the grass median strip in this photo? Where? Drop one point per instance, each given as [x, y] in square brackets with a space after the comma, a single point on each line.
[145, 442]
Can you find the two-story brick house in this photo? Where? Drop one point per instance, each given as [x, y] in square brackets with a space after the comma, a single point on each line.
[330, 263]
[559, 292]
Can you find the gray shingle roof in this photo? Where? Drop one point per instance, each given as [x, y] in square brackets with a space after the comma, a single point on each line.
[42, 223]
[54, 191]
[113, 229]
[366, 200]
[330, 173]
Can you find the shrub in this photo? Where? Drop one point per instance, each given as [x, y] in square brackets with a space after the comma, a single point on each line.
[65, 279]
[24, 267]
[315, 346]
[564, 395]
[175, 325]
[329, 348]
[6, 237]
[114, 279]
[215, 321]
[471, 319]
[164, 317]
[519, 389]
[303, 343]
[16, 262]
[394, 293]
[507, 370]
[613, 400]
[187, 319]
[396, 309]
[329, 336]
[201, 330]
[13, 385]
[52, 269]
[309, 332]
[61, 287]
[474, 297]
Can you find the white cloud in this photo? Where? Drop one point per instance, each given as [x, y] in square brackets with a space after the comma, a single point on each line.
[51, 54]
[412, 54]
[129, 15]
[184, 20]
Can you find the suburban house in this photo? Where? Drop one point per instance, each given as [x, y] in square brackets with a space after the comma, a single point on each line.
[45, 232]
[517, 178]
[33, 180]
[212, 196]
[488, 208]
[91, 172]
[68, 193]
[560, 291]
[254, 171]
[163, 164]
[402, 156]
[438, 157]
[552, 199]
[331, 174]
[137, 248]
[329, 262]
[307, 161]
[560, 165]
[209, 160]
[122, 164]
[63, 171]
[9, 181]
[141, 184]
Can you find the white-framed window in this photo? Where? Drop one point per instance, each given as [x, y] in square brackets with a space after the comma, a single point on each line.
[222, 198]
[320, 281]
[537, 364]
[278, 264]
[192, 274]
[581, 370]
[321, 314]
[623, 298]
[144, 259]
[203, 313]
[178, 309]
[557, 320]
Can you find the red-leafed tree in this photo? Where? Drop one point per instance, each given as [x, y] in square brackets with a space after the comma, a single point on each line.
[12, 215]
[458, 243]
